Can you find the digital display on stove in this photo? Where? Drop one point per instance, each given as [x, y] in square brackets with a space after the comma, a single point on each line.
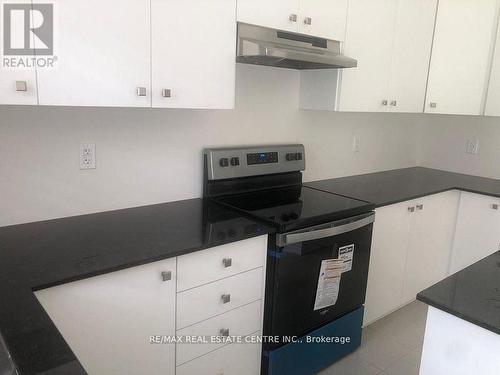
[262, 158]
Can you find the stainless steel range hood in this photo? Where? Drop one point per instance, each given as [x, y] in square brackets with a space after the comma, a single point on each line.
[263, 46]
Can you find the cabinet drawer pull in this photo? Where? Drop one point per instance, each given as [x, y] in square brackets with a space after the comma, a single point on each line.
[225, 298]
[21, 86]
[385, 102]
[224, 332]
[411, 209]
[141, 91]
[293, 17]
[394, 103]
[433, 105]
[166, 275]
[420, 207]
[166, 93]
[308, 21]
[494, 206]
[227, 262]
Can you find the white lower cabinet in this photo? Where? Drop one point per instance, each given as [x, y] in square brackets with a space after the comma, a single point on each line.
[232, 359]
[431, 242]
[387, 260]
[107, 320]
[411, 247]
[242, 321]
[198, 304]
[477, 233]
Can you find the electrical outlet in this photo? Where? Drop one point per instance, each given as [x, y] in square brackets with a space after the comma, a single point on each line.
[472, 147]
[87, 156]
[356, 144]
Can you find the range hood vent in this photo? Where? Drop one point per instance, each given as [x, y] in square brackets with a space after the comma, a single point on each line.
[263, 46]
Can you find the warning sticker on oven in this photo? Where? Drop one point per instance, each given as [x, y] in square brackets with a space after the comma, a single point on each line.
[328, 283]
[346, 255]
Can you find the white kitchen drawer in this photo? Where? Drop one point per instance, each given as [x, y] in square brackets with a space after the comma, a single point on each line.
[197, 304]
[206, 266]
[239, 322]
[233, 359]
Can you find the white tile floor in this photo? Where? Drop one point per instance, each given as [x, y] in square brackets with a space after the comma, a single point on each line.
[390, 346]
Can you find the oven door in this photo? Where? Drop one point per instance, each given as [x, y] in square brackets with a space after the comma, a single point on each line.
[301, 299]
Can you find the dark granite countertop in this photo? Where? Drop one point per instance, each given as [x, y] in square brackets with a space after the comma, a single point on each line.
[472, 294]
[38, 255]
[399, 185]
[42, 254]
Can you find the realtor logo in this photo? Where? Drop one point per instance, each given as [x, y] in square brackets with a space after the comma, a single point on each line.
[28, 36]
[26, 26]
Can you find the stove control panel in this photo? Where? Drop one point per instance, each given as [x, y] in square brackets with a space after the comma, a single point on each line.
[224, 163]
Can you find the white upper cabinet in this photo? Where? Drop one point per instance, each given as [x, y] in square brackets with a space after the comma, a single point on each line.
[461, 56]
[103, 54]
[391, 39]
[321, 18]
[411, 54]
[493, 99]
[369, 39]
[277, 14]
[193, 53]
[17, 85]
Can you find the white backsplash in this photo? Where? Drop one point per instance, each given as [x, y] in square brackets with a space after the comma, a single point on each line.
[146, 156]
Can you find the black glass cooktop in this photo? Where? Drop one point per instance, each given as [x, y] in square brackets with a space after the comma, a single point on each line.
[296, 207]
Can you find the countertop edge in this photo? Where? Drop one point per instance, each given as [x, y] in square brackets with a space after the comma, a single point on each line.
[464, 317]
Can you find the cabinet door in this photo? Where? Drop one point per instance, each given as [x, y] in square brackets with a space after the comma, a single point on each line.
[107, 320]
[277, 14]
[369, 39]
[10, 92]
[411, 55]
[478, 230]
[460, 56]
[431, 241]
[103, 54]
[323, 18]
[387, 261]
[493, 99]
[193, 53]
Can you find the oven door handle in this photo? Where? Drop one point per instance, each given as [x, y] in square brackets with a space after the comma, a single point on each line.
[326, 230]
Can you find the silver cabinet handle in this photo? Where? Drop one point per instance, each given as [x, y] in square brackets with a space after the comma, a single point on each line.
[227, 262]
[224, 332]
[433, 105]
[394, 103]
[411, 209]
[494, 206]
[308, 21]
[385, 102]
[141, 91]
[420, 207]
[21, 86]
[293, 17]
[225, 298]
[166, 275]
[166, 93]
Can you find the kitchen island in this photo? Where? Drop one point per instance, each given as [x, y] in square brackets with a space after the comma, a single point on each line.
[463, 323]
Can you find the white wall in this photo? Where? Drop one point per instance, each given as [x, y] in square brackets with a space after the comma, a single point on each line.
[443, 141]
[149, 156]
